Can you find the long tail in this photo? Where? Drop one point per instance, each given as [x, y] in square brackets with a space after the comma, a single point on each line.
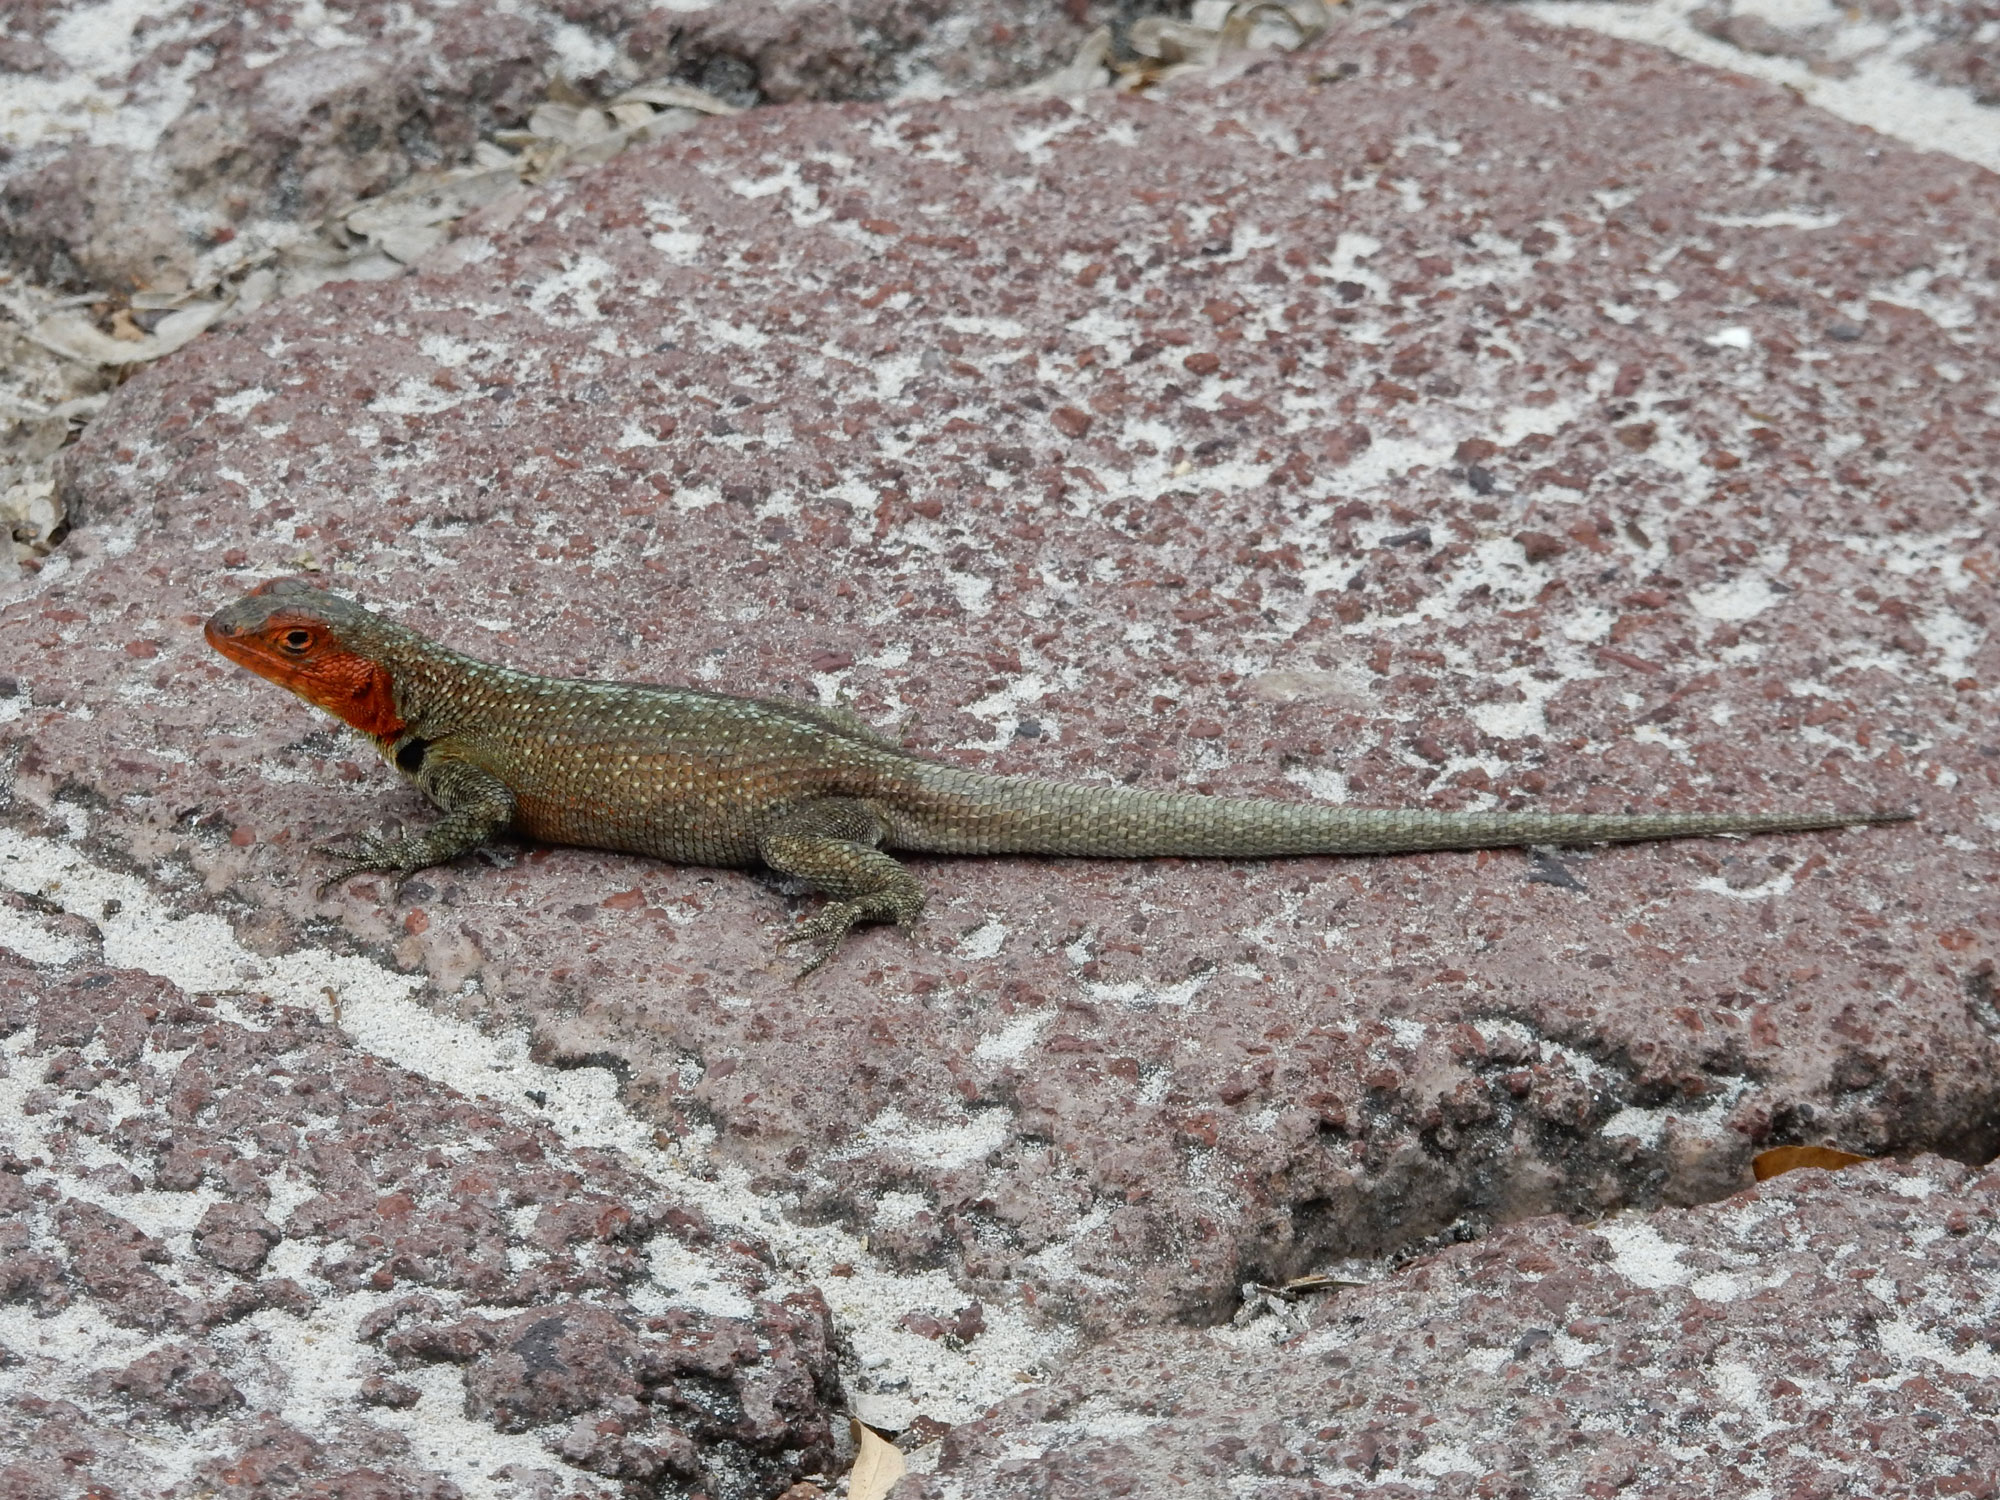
[965, 812]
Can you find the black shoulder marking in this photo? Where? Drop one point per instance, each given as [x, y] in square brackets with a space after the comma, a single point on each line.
[410, 759]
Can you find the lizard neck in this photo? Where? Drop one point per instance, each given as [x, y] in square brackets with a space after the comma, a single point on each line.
[440, 692]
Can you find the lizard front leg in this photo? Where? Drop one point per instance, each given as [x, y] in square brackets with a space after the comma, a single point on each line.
[830, 844]
[477, 805]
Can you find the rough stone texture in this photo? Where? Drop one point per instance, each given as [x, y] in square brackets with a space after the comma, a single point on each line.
[1463, 410]
[1944, 42]
[209, 1219]
[781, 53]
[131, 150]
[1966, 52]
[1474, 411]
[1820, 1335]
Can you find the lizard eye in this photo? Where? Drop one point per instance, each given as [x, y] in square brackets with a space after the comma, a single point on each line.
[297, 640]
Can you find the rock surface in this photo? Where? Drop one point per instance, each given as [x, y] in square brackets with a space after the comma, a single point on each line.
[1572, 490]
[138, 146]
[1820, 1335]
[1462, 412]
[269, 1250]
[1947, 41]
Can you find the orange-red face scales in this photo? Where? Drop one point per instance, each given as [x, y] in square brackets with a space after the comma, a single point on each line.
[290, 632]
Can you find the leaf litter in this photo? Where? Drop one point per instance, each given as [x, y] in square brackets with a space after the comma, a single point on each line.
[1161, 48]
[61, 355]
[878, 1463]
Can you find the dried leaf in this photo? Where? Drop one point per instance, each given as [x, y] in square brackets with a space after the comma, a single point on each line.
[600, 150]
[1086, 71]
[877, 1464]
[1170, 41]
[432, 200]
[667, 94]
[182, 325]
[365, 268]
[1781, 1159]
[76, 337]
[406, 245]
[569, 125]
[667, 122]
[310, 272]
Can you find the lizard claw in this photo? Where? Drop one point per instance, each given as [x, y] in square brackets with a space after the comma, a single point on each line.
[366, 853]
[824, 932]
[827, 931]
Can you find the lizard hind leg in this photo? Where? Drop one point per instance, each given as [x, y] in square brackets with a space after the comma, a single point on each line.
[830, 844]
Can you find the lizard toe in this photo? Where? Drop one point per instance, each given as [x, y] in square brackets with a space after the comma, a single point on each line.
[816, 962]
[345, 871]
[824, 933]
[364, 854]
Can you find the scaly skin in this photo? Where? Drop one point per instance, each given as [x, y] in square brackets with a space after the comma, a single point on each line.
[704, 779]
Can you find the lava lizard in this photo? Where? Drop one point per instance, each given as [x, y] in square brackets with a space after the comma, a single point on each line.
[707, 779]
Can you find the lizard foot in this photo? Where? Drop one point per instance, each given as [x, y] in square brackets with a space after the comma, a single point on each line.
[366, 853]
[827, 931]
[824, 933]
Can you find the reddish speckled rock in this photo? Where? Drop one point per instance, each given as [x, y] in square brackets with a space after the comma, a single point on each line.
[209, 116]
[1966, 51]
[1954, 45]
[409, 1226]
[1821, 1335]
[778, 410]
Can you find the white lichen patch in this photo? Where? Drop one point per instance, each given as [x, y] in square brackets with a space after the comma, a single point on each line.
[1743, 597]
[975, 1138]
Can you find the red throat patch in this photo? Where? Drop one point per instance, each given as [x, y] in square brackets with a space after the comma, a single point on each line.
[354, 689]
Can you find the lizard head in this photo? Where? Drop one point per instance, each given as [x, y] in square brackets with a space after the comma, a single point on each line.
[314, 643]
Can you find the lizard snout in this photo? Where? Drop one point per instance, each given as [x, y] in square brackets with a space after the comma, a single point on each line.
[220, 630]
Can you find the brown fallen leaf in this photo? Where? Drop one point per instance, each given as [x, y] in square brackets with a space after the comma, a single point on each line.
[1781, 1159]
[877, 1464]
[1299, 1286]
